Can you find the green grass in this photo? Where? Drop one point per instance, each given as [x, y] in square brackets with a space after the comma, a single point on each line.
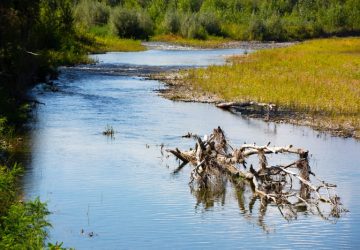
[111, 43]
[318, 76]
[211, 42]
[100, 39]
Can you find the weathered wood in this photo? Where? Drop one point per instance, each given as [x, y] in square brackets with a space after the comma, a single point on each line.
[183, 156]
[241, 105]
[273, 183]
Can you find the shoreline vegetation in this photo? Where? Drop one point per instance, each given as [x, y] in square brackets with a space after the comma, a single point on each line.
[314, 83]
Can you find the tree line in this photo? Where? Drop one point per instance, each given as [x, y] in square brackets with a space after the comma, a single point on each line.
[279, 20]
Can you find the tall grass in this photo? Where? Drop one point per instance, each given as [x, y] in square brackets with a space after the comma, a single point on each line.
[319, 76]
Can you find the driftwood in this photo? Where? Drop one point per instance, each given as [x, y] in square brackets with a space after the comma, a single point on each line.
[213, 159]
[251, 108]
[242, 105]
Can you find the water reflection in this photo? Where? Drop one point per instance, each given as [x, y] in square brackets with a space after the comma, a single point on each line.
[215, 194]
[208, 197]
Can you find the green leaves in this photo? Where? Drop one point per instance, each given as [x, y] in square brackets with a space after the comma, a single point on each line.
[24, 226]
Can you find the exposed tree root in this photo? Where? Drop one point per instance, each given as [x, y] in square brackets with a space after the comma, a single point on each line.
[213, 160]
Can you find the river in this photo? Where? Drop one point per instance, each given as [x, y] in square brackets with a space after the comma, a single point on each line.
[120, 193]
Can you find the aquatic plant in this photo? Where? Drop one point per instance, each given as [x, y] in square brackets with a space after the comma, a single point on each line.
[109, 131]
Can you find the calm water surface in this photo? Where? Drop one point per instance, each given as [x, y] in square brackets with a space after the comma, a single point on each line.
[124, 191]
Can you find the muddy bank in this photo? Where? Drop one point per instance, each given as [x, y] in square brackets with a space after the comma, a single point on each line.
[178, 90]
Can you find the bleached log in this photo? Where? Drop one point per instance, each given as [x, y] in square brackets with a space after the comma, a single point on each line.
[250, 149]
[240, 105]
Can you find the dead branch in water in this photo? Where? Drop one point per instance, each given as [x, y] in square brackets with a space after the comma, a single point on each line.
[213, 158]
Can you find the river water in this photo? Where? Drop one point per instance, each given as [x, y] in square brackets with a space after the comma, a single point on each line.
[120, 193]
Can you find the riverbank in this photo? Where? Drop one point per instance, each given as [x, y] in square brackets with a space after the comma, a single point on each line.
[214, 43]
[103, 44]
[314, 83]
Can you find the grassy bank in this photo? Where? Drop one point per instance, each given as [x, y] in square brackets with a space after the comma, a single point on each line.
[100, 39]
[111, 44]
[318, 77]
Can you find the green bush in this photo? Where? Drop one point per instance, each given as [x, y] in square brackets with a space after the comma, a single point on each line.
[256, 29]
[91, 12]
[274, 29]
[8, 188]
[171, 23]
[211, 23]
[191, 27]
[352, 10]
[131, 23]
[24, 226]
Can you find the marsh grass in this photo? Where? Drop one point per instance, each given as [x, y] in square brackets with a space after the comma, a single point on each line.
[321, 77]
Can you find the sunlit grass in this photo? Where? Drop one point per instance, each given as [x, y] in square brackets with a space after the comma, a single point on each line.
[112, 43]
[211, 42]
[318, 76]
[100, 39]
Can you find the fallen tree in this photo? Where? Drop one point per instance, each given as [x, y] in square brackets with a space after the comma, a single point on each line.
[213, 158]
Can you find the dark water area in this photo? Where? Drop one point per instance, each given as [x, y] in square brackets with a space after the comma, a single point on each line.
[122, 191]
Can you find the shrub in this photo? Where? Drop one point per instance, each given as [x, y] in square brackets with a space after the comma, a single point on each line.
[171, 23]
[191, 27]
[24, 226]
[129, 23]
[274, 29]
[211, 23]
[256, 29]
[89, 12]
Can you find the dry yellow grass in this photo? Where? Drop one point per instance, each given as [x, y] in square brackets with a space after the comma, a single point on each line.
[318, 76]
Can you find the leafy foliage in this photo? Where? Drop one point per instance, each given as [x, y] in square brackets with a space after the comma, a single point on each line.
[22, 224]
[129, 23]
[238, 19]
